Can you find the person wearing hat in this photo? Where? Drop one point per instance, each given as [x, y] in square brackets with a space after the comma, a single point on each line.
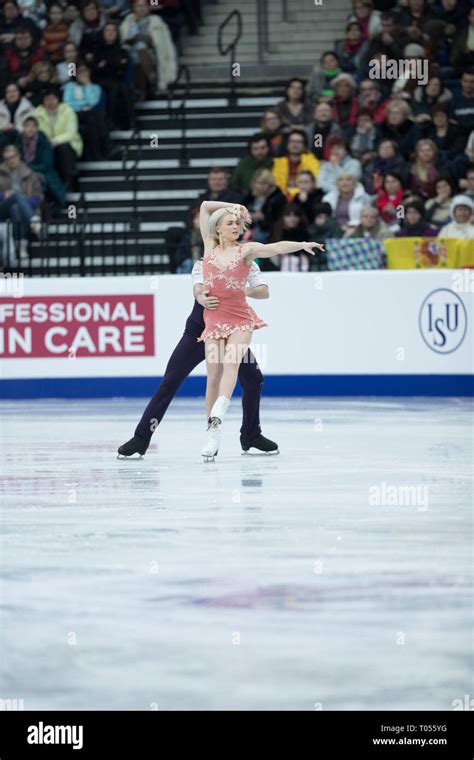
[59, 123]
[345, 104]
[414, 224]
[353, 48]
[462, 209]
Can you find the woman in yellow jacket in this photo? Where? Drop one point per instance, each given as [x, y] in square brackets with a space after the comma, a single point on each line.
[297, 159]
[58, 122]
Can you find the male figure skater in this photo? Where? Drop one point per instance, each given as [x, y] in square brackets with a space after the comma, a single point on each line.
[187, 355]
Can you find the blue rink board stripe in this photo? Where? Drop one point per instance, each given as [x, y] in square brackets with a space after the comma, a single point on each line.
[275, 385]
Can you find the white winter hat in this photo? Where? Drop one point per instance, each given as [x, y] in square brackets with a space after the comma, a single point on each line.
[461, 200]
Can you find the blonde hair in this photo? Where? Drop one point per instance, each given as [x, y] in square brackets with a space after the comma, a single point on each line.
[216, 217]
[419, 169]
[264, 175]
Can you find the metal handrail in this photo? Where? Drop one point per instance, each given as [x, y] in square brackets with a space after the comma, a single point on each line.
[232, 46]
[131, 173]
[183, 71]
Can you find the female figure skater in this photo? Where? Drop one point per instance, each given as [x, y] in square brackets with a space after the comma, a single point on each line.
[228, 329]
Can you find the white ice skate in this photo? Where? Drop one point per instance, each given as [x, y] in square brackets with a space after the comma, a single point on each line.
[211, 446]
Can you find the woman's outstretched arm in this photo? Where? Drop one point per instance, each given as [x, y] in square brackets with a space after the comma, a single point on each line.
[264, 251]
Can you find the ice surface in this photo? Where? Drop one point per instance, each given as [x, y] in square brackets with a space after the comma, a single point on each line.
[248, 583]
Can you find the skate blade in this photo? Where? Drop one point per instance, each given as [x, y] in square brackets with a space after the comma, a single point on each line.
[258, 453]
[209, 457]
[132, 456]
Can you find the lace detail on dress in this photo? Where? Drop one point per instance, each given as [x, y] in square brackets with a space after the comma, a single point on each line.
[231, 281]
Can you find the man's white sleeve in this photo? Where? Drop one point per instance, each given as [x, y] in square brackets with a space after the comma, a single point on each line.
[255, 276]
[196, 274]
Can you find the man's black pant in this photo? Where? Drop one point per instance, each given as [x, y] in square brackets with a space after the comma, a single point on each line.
[185, 357]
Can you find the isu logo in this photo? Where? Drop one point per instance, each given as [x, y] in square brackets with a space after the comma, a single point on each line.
[443, 321]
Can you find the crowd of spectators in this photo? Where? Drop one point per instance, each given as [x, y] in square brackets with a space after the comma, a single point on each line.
[351, 153]
[70, 72]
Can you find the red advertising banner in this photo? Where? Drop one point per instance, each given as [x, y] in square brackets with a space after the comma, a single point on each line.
[82, 326]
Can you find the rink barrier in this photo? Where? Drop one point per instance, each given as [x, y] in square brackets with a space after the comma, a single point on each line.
[274, 385]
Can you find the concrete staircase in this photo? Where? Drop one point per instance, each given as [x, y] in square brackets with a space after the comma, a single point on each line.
[295, 43]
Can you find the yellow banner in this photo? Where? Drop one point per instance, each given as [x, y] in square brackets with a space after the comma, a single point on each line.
[429, 253]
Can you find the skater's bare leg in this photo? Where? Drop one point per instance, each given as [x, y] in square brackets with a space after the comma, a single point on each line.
[214, 355]
[235, 349]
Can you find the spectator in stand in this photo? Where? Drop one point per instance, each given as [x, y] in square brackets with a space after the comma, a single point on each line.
[451, 12]
[425, 98]
[438, 208]
[370, 226]
[171, 13]
[14, 109]
[273, 127]
[390, 199]
[218, 188]
[297, 159]
[390, 40]
[462, 227]
[40, 78]
[34, 10]
[22, 180]
[86, 30]
[109, 68]
[36, 151]
[364, 138]
[368, 18]
[320, 84]
[309, 195]
[450, 142]
[340, 162]
[14, 204]
[405, 86]
[462, 104]
[114, 9]
[423, 171]
[468, 184]
[400, 127]
[388, 160]
[59, 124]
[352, 49]
[347, 200]
[84, 97]
[371, 99]
[462, 51]
[323, 131]
[265, 203]
[293, 226]
[345, 105]
[151, 48]
[323, 227]
[414, 224]
[191, 246]
[22, 55]
[12, 20]
[412, 18]
[55, 34]
[65, 70]
[295, 109]
[258, 157]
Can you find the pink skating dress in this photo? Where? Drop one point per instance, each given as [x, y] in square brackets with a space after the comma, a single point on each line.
[227, 284]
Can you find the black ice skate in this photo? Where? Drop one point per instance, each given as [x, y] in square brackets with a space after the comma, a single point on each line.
[259, 442]
[136, 445]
